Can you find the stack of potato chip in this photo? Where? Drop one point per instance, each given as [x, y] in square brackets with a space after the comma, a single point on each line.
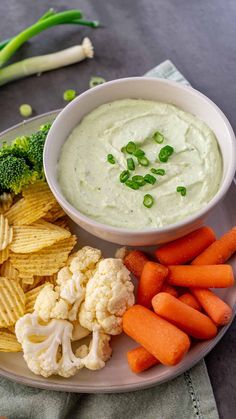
[35, 242]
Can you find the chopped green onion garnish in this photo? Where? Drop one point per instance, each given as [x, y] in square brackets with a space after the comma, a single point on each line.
[148, 200]
[124, 176]
[131, 147]
[159, 172]
[95, 81]
[130, 164]
[131, 184]
[111, 159]
[143, 161]
[150, 179]
[139, 180]
[158, 137]
[165, 153]
[182, 190]
[123, 149]
[69, 95]
[139, 153]
[25, 110]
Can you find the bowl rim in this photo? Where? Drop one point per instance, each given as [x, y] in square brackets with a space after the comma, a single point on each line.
[52, 182]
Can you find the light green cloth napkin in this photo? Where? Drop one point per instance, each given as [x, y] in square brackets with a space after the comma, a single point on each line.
[189, 396]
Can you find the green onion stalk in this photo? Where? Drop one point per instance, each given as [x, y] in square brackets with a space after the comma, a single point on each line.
[46, 62]
[82, 22]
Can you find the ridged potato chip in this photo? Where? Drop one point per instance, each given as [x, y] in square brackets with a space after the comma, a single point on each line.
[6, 232]
[45, 262]
[54, 213]
[8, 270]
[32, 238]
[8, 342]
[36, 202]
[5, 202]
[12, 302]
[4, 255]
[31, 298]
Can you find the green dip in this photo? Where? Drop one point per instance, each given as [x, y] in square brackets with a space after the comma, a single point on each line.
[92, 185]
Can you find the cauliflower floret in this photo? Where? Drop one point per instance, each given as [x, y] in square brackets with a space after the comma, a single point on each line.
[47, 347]
[72, 279]
[109, 293]
[99, 350]
[41, 346]
[48, 304]
[85, 261]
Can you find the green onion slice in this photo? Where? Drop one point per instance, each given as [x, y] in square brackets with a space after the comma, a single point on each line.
[138, 153]
[69, 95]
[148, 201]
[139, 180]
[182, 190]
[150, 179]
[130, 164]
[159, 172]
[131, 184]
[111, 159]
[158, 137]
[124, 176]
[165, 153]
[143, 161]
[95, 81]
[25, 110]
[123, 149]
[131, 147]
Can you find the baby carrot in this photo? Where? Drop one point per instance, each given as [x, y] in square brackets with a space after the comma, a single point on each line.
[209, 276]
[186, 248]
[139, 359]
[188, 319]
[135, 261]
[216, 308]
[219, 251]
[170, 290]
[151, 281]
[162, 339]
[190, 300]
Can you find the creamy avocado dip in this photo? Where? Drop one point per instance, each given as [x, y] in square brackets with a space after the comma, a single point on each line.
[91, 183]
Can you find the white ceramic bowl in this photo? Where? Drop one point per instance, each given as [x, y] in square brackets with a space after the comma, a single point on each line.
[189, 100]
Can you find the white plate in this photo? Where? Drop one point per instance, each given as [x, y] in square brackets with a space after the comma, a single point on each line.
[116, 376]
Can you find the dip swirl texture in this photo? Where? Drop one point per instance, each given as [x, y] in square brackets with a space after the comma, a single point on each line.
[92, 185]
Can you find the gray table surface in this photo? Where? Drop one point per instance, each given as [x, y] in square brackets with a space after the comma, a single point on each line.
[198, 36]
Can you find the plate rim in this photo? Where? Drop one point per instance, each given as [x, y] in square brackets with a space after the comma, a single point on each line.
[47, 385]
[74, 388]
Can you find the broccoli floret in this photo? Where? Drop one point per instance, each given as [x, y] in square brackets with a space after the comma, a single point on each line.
[15, 174]
[17, 149]
[35, 148]
[21, 162]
